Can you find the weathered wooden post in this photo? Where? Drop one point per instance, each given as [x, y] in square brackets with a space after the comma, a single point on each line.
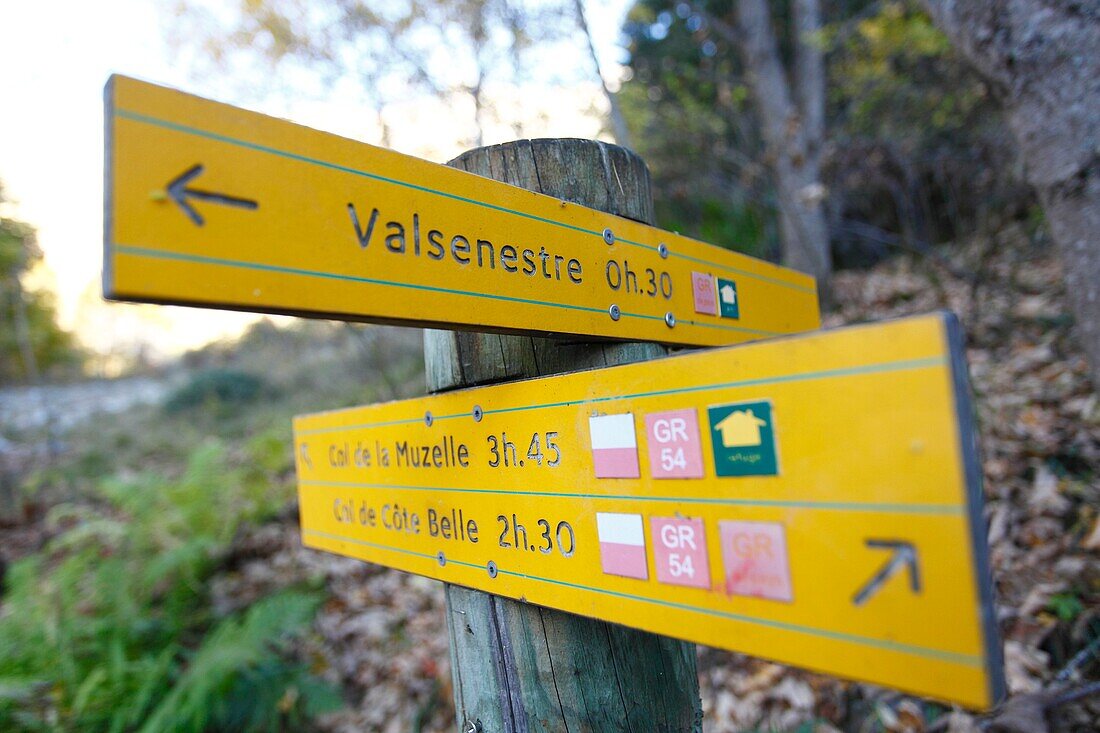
[519, 667]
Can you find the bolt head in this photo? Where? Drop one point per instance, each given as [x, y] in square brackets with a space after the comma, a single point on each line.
[662, 249]
[478, 413]
[492, 569]
[608, 236]
[614, 312]
[428, 418]
[670, 320]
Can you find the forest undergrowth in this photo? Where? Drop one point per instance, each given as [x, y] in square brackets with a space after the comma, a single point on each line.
[381, 634]
[165, 579]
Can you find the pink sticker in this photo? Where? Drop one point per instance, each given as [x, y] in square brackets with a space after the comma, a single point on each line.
[754, 556]
[614, 446]
[622, 545]
[702, 286]
[680, 551]
[675, 450]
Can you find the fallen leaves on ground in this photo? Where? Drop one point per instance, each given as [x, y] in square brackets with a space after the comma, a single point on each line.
[382, 634]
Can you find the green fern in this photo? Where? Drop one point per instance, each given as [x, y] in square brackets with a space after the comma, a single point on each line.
[110, 628]
[236, 646]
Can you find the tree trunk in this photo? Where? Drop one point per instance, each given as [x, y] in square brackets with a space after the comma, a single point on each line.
[793, 128]
[802, 223]
[519, 667]
[1044, 57]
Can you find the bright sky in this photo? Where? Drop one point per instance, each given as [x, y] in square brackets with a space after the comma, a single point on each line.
[56, 58]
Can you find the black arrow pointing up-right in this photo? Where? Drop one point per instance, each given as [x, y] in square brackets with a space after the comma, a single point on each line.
[904, 555]
[179, 192]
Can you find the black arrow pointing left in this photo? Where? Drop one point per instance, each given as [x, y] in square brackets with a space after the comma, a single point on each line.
[180, 192]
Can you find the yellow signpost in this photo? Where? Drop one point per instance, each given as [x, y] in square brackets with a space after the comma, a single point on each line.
[211, 205]
[814, 500]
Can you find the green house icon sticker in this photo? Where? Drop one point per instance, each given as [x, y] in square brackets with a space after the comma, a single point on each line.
[728, 305]
[743, 439]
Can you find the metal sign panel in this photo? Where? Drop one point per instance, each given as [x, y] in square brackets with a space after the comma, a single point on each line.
[815, 500]
[210, 205]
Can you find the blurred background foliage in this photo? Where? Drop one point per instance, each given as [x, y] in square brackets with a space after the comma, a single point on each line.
[110, 628]
[917, 151]
[30, 339]
[115, 530]
[109, 617]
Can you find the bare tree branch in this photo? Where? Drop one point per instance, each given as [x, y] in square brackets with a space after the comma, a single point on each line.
[618, 122]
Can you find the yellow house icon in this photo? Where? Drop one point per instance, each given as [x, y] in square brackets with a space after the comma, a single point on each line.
[740, 428]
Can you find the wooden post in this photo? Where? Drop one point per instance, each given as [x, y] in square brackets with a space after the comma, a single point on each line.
[519, 667]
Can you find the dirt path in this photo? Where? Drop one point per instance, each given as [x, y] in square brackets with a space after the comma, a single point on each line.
[24, 409]
[33, 425]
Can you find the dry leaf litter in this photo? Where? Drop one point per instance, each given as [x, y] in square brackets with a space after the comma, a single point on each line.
[381, 634]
